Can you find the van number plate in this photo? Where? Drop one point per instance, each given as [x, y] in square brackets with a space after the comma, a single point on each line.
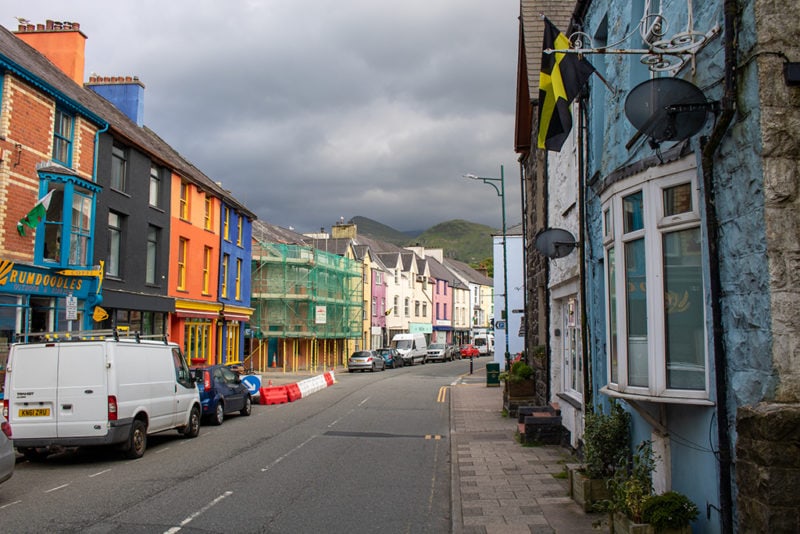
[35, 412]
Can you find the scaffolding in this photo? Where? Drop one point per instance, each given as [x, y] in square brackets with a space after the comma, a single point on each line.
[308, 308]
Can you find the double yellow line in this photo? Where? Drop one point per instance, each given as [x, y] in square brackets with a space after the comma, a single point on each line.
[442, 397]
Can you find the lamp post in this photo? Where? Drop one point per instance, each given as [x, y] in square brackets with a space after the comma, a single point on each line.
[501, 192]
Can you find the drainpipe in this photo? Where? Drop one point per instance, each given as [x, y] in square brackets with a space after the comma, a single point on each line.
[97, 150]
[709, 149]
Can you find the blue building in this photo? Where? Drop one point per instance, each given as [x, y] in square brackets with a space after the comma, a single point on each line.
[690, 241]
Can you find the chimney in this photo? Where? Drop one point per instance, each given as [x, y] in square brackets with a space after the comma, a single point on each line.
[63, 43]
[125, 92]
[344, 231]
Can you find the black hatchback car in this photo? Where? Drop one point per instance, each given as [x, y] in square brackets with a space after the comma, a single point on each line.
[221, 392]
[391, 357]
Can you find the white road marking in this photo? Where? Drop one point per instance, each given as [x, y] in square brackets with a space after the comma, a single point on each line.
[197, 513]
[9, 504]
[62, 486]
[282, 458]
[100, 473]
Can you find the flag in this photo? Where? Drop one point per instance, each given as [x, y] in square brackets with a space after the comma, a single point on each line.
[560, 80]
[36, 215]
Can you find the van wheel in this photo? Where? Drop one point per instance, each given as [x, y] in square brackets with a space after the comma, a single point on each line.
[219, 414]
[192, 430]
[32, 454]
[137, 441]
[248, 406]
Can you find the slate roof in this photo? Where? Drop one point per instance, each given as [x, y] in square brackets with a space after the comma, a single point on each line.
[49, 78]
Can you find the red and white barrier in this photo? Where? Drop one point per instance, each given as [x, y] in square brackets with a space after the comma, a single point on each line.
[297, 390]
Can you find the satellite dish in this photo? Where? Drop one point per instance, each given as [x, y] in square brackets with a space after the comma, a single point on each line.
[667, 109]
[555, 243]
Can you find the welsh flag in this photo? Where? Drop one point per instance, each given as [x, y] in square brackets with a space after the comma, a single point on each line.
[36, 215]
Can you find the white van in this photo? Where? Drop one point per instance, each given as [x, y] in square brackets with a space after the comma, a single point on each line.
[484, 343]
[75, 392]
[413, 347]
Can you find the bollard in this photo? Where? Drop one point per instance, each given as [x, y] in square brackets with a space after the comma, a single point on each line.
[470, 364]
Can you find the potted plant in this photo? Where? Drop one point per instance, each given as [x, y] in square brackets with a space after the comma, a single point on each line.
[518, 386]
[670, 513]
[605, 446]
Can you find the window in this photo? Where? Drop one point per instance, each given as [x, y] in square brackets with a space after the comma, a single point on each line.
[239, 230]
[438, 315]
[183, 246]
[444, 306]
[151, 266]
[226, 229]
[416, 308]
[119, 166]
[424, 309]
[114, 240]
[62, 138]
[197, 339]
[571, 349]
[81, 229]
[155, 186]
[374, 306]
[655, 300]
[184, 201]
[238, 279]
[206, 270]
[224, 276]
[208, 218]
[407, 307]
[396, 308]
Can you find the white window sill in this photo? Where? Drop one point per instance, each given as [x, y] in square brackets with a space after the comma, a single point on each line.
[606, 390]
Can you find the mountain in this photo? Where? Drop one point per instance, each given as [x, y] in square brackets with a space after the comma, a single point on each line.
[461, 240]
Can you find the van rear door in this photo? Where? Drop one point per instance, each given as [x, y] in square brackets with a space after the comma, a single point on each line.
[82, 407]
[32, 390]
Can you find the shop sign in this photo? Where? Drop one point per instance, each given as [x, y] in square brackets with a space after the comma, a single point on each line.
[23, 279]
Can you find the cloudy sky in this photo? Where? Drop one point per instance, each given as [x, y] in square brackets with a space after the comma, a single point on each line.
[312, 110]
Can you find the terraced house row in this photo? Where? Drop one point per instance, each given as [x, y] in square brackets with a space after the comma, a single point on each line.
[103, 224]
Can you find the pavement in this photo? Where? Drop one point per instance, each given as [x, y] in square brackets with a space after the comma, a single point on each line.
[498, 485]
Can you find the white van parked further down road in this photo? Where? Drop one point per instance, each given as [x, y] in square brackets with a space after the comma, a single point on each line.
[108, 391]
[413, 347]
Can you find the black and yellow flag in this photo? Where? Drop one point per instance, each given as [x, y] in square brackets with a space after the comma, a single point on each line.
[561, 78]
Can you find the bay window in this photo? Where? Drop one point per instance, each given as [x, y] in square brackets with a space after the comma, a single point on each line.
[655, 295]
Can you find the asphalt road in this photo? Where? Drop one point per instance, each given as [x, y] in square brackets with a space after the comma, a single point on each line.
[368, 454]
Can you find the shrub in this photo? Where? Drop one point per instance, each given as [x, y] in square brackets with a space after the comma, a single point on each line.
[669, 510]
[519, 372]
[605, 441]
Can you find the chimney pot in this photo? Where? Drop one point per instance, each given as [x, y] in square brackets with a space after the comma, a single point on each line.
[128, 78]
[76, 26]
[49, 24]
[38, 27]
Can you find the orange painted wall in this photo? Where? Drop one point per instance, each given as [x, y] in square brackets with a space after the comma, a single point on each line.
[194, 230]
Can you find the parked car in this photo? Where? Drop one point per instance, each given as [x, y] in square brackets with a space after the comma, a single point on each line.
[437, 352]
[221, 392]
[469, 351]
[391, 357]
[453, 351]
[365, 360]
[102, 391]
[7, 455]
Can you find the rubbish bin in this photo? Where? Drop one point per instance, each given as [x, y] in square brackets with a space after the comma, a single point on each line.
[492, 375]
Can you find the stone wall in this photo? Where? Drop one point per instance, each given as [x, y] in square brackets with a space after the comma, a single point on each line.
[768, 468]
[768, 434]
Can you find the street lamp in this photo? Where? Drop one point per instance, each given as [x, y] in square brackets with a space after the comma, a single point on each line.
[501, 192]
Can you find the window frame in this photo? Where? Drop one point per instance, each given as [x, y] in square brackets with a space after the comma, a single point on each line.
[119, 168]
[183, 250]
[115, 234]
[155, 184]
[183, 207]
[151, 256]
[63, 140]
[655, 225]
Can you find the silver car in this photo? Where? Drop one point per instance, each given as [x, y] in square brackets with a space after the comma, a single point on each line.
[438, 352]
[7, 455]
[365, 360]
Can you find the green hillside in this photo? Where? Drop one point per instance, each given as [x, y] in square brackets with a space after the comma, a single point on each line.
[461, 240]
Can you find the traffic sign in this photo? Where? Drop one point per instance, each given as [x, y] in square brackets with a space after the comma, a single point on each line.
[72, 308]
[499, 325]
[253, 383]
